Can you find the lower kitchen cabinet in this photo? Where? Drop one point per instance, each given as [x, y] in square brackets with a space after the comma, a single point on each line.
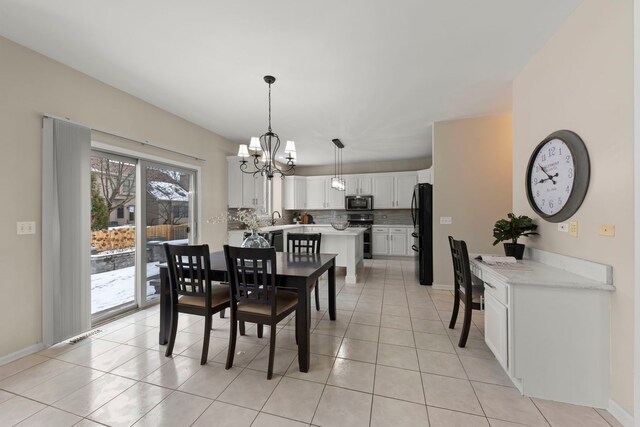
[390, 240]
[380, 241]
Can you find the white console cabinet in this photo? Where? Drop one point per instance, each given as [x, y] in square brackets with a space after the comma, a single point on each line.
[547, 321]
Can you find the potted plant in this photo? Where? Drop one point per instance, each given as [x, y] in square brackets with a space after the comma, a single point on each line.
[511, 230]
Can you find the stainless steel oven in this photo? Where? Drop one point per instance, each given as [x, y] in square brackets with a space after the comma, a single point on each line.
[358, 203]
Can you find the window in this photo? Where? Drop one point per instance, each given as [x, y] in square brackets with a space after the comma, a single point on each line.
[132, 213]
[120, 214]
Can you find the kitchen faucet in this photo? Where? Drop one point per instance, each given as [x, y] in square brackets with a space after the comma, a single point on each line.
[273, 220]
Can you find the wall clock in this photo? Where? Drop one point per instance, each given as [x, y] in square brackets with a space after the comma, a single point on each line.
[558, 176]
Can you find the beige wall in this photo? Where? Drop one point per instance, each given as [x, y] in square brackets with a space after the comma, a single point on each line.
[31, 85]
[371, 167]
[472, 183]
[582, 80]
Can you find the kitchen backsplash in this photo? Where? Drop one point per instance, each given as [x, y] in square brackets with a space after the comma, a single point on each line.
[380, 216]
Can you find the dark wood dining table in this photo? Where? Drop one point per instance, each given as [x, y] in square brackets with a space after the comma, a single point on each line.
[294, 270]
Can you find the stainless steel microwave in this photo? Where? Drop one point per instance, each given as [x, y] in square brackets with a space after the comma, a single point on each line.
[358, 203]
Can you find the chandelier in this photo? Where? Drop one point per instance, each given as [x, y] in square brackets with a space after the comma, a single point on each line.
[264, 150]
[337, 182]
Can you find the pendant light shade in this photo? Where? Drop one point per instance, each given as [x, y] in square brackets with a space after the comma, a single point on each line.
[243, 151]
[338, 182]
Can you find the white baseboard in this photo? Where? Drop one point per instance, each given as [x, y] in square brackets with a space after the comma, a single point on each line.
[440, 287]
[21, 353]
[625, 418]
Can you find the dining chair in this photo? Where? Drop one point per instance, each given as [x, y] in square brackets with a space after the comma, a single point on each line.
[306, 243]
[255, 297]
[464, 289]
[192, 291]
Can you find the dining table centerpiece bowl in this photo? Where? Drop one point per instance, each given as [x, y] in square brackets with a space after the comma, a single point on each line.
[510, 230]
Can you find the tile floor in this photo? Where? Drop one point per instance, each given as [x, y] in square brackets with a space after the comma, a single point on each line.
[388, 360]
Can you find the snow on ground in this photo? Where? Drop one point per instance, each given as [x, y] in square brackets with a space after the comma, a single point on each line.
[112, 288]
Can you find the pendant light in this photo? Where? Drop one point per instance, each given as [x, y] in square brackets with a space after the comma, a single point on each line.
[338, 182]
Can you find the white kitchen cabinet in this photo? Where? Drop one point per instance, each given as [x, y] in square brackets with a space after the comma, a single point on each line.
[393, 191]
[403, 191]
[380, 240]
[316, 188]
[425, 176]
[390, 240]
[335, 198]
[295, 192]
[234, 183]
[383, 191]
[320, 195]
[397, 241]
[358, 185]
[495, 329]
[244, 190]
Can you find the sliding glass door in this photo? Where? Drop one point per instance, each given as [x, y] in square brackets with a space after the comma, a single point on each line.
[168, 213]
[113, 236]
[136, 206]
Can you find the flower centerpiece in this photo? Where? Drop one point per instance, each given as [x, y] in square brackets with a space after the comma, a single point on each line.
[249, 220]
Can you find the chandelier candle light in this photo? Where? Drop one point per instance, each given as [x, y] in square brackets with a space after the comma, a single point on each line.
[337, 182]
[265, 149]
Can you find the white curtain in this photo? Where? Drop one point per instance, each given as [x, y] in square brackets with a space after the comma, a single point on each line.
[66, 230]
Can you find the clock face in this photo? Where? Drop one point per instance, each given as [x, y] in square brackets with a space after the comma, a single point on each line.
[552, 176]
[558, 176]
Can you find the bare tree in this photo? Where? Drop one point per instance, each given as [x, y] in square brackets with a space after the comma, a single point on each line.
[116, 181]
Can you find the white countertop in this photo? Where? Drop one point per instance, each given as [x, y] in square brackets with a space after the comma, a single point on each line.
[539, 274]
[326, 229]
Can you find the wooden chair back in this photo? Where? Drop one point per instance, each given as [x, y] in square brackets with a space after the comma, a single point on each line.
[461, 270]
[188, 268]
[304, 242]
[252, 275]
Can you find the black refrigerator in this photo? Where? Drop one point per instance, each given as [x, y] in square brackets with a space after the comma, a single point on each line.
[422, 215]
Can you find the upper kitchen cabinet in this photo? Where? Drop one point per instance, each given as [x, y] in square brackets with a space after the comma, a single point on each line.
[383, 191]
[316, 186]
[404, 185]
[320, 195]
[295, 192]
[358, 185]
[393, 191]
[244, 190]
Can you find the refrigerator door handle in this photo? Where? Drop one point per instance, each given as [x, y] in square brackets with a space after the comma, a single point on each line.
[415, 248]
[413, 208]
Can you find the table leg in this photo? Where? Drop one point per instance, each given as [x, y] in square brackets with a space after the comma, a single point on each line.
[165, 307]
[332, 290]
[303, 323]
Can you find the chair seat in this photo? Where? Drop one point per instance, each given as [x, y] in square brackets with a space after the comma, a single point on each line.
[285, 301]
[219, 296]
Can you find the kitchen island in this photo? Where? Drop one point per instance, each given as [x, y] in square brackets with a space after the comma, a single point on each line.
[348, 244]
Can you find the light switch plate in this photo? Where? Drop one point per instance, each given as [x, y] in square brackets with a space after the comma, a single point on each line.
[607, 230]
[573, 229]
[564, 227]
[445, 220]
[26, 227]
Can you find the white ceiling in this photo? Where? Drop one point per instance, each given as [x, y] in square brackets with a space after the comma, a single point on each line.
[373, 73]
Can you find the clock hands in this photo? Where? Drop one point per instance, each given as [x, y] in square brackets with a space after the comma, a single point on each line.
[549, 177]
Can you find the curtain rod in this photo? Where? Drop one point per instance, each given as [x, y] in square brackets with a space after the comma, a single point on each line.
[144, 143]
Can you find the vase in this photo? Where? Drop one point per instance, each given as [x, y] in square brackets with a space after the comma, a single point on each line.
[515, 250]
[254, 240]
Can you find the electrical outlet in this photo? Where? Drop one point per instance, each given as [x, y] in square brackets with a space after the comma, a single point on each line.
[607, 230]
[573, 229]
[564, 227]
[26, 227]
[445, 220]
